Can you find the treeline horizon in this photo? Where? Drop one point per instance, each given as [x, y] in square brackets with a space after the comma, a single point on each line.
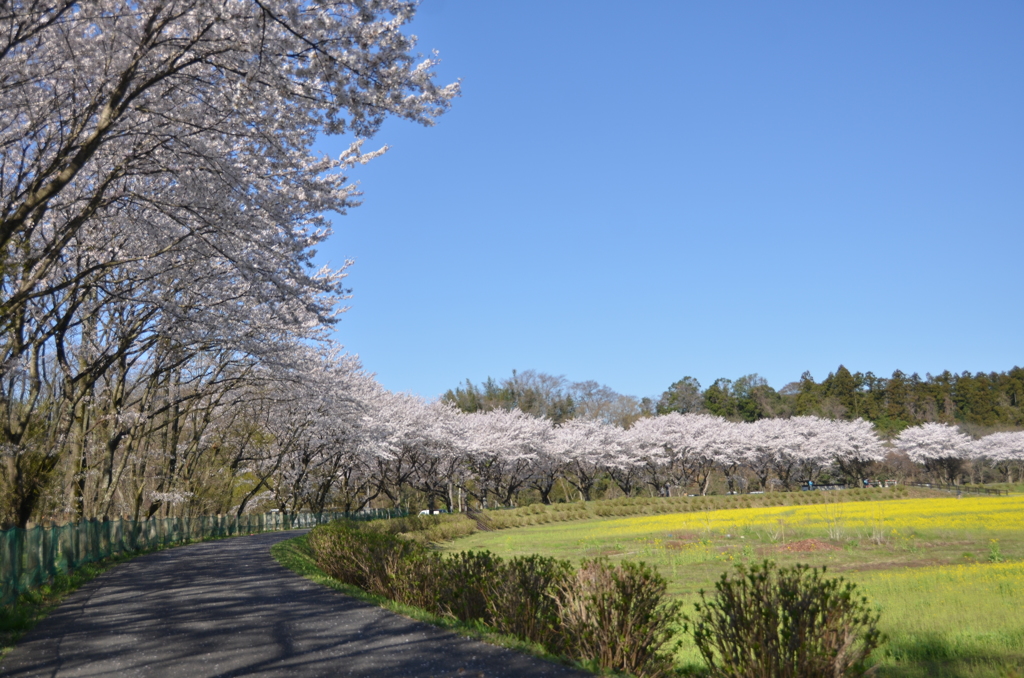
[978, 403]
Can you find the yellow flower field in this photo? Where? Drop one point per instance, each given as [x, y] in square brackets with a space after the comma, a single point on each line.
[991, 514]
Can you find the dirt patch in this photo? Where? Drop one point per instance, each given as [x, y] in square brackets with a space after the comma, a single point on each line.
[675, 541]
[681, 540]
[806, 546]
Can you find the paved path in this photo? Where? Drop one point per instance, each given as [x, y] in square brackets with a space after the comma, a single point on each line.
[226, 608]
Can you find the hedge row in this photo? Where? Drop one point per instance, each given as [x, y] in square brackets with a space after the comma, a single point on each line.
[603, 615]
[446, 527]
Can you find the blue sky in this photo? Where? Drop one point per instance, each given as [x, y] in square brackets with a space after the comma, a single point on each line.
[707, 189]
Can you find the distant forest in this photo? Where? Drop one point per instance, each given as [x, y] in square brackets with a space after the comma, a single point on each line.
[979, 403]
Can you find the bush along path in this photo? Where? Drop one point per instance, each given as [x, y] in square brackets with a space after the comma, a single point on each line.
[226, 608]
[610, 617]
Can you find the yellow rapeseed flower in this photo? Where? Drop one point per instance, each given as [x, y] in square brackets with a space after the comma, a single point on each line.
[994, 514]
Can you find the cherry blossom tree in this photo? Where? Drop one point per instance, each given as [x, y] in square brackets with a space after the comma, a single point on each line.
[762, 444]
[322, 407]
[854, 446]
[942, 448]
[692, 446]
[502, 446]
[662, 443]
[440, 469]
[199, 114]
[1005, 450]
[547, 468]
[397, 427]
[809, 446]
[715, 444]
[586, 445]
[626, 466]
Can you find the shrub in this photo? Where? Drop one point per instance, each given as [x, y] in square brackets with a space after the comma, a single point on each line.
[465, 578]
[453, 527]
[613, 615]
[373, 561]
[784, 623]
[429, 528]
[521, 597]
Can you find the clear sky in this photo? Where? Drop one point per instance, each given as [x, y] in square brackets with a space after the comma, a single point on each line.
[633, 194]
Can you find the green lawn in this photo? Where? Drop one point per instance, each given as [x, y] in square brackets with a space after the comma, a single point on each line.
[946, 574]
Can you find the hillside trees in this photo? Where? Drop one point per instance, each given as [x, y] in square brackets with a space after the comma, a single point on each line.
[979, 401]
[550, 396]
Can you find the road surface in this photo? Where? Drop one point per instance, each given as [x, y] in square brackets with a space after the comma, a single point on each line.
[226, 608]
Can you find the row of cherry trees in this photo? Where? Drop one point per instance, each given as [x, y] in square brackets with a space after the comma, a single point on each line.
[160, 205]
[319, 433]
[446, 455]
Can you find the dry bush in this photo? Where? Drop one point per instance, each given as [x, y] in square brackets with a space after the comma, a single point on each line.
[372, 561]
[615, 617]
[465, 581]
[521, 597]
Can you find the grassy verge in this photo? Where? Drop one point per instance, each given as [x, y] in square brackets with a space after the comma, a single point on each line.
[294, 554]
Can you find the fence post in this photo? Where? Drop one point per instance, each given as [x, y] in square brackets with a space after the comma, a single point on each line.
[31, 558]
[65, 547]
[103, 538]
[76, 545]
[46, 552]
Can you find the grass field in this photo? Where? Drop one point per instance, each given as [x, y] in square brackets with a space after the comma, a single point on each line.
[947, 574]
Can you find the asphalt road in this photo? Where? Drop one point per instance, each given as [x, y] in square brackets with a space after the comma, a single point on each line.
[226, 608]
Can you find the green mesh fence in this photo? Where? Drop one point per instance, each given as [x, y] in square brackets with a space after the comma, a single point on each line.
[31, 557]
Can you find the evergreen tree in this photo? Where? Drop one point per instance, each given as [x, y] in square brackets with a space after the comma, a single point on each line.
[976, 399]
[842, 388]
[718, 399]
[808, 399]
